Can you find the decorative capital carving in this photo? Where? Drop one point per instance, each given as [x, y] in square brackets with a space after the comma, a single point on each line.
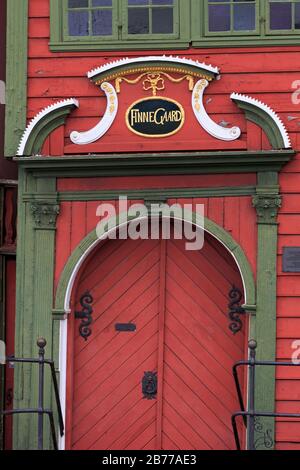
[45, 215]
[267, 206]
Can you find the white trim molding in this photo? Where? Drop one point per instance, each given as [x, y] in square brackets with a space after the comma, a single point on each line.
[108, 67]
[94, 134]
[214, 129]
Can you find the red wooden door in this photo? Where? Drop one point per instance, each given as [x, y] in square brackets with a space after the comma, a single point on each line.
[178, 301]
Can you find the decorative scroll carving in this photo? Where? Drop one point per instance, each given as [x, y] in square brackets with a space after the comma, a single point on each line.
[261, 114]
[94, 134]
[45, 215]
[154, 81]
[205, 121]
[42, 124]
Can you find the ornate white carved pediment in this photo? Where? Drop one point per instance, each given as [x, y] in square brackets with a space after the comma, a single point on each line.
[154, 65]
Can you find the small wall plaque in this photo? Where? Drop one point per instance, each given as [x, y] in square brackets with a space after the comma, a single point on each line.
[291, 259]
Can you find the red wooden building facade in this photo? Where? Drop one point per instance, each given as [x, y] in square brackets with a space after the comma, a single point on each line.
[231, 145]
[8, 209]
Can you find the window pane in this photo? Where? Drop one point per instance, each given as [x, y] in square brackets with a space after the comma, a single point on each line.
[281, 15]
[78, 23]
[78, 3]
[163, 2]
[102, 3]
[243, 17]
[138, 21]
[297, 16]
[219, 18]
[162, 20]
[138, 2]
[102, 22]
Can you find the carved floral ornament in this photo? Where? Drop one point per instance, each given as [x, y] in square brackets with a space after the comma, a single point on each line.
[151, 73]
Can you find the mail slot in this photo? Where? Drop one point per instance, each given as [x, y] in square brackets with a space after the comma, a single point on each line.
[125, 327]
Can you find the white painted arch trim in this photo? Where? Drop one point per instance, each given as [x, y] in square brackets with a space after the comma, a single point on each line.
[211, 127]
[139, 60]
[94, 134]
[267, 109]
[37, 119]
[63, 347]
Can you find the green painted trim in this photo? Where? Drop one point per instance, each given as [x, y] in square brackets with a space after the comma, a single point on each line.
[87, 243]
[61, 41]
[16, 74]
[203, 12]
[264, 120]
[188, 163]
[35, 272]
[135, 68]
[2, 337]
[42, 128]
[267, 203]
[287, 32]
[135, 194]
[192, 13]
[272, 41]
[205, 43]
[88, 46]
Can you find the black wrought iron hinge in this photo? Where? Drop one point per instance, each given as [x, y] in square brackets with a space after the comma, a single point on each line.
[85, 315]
[235, 310]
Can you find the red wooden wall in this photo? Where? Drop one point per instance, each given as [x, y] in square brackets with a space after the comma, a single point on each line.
[263, 73]
[223, 210]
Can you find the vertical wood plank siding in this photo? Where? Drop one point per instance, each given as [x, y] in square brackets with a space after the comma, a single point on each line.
[263, 73]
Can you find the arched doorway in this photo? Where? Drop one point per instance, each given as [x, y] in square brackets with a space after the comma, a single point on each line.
[177, 301]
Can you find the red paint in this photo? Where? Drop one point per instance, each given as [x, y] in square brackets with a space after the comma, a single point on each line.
[238, 217]
[161, 342]
[259, 72]
[57, 75]
[150, 182]
[178, 300]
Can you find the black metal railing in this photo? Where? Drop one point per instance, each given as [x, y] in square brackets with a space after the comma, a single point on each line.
[40, 410]
[250, 414]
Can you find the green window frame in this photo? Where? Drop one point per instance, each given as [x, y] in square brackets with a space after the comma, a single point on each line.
[120, 37]
[230, 5]
[261, 36]
[190, 28]
[89, 12]
[293, 30]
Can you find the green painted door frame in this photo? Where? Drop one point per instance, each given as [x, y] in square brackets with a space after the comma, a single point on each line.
[39, 204]
[267, 203]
